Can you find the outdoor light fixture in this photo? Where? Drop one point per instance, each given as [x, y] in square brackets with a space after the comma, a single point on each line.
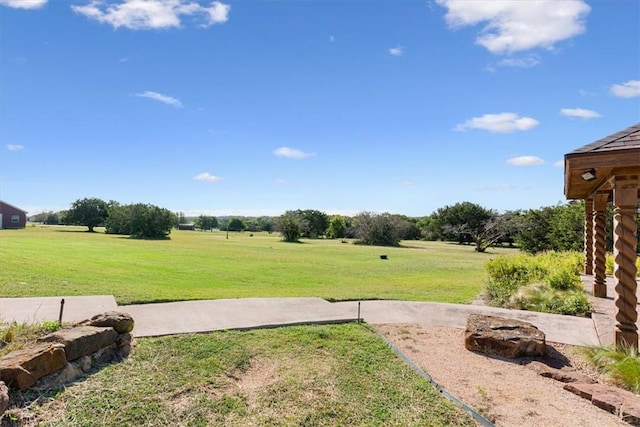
[589, 175]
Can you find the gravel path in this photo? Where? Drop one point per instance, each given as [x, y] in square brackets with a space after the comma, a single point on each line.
[507, 393]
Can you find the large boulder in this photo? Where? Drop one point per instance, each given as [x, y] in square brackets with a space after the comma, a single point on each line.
[503, 337]
[121, 322]
[82, 340]
[23, 368]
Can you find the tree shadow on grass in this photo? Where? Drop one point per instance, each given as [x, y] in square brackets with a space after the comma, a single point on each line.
[153, 239]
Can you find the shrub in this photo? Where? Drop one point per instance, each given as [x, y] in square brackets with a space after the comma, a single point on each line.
[575, 303]
[289, 226]
[563, 279]
[621, 365]
[548, 282]
[539, 297]
[609, 265]
[508, 274]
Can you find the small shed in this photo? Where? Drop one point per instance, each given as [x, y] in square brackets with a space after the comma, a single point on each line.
[189, 226]
[608, 171]
[11, 216]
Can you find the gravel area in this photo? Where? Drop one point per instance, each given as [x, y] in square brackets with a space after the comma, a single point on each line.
[506, 392]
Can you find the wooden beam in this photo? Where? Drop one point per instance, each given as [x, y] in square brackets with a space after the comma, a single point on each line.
[620, 158]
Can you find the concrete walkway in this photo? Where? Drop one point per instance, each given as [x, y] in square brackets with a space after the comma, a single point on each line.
[210, 315]
[247, 313]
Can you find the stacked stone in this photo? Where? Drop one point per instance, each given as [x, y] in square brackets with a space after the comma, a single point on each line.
[64, 356]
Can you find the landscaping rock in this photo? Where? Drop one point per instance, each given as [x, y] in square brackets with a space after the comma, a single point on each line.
[500, 336]
[565, 374]
[124, 345]
[121, 322]
[22, 368]
[70, 373]
[107, 354]
[82, 340]
[617, 401]
[4, 398]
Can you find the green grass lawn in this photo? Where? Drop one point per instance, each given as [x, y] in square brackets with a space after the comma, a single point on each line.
[55, 261]
[332, 375]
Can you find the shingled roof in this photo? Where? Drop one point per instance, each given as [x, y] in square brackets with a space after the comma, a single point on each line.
[623, 140]
[609, 156]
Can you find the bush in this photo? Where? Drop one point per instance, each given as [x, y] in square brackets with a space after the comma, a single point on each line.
[142, 221]
[609, 265]
[541, 298]
[621, 365]
[289, 227]
[379, 229]
[548, 282]
[508, 273]
[563, 279]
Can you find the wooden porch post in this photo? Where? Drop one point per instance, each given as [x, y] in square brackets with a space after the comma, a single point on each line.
[588, 236]
[625, 200]
[599, 245]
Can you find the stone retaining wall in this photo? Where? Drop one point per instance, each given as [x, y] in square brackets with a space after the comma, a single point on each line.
[66, 355]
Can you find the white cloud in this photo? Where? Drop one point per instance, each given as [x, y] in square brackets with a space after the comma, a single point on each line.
[580, 113]
[521, 62]
[160, 97]
[559, 164]
[207, 177]
[332, 39]
[24, 4]
[14, 147]
[408, 183]
[630, 89]
[525, 161]
[396, 51]
[218, 13]
[153, 14]
[512, 26]
[291, 153]
[499, 123]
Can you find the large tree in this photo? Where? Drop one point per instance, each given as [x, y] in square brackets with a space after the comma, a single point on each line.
[289, 226]
[235, 224]
[90, 212]
[205, 222]
[314, 223]
[139, 220]
[462, 220]
[337, 227]
[379, 229]
[559, 227]
[151, 222]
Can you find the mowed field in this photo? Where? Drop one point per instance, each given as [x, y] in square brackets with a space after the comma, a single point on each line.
[57, 261]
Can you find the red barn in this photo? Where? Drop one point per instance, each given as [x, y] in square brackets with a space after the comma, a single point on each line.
[12, 217]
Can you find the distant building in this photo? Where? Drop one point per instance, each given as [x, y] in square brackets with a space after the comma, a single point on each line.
[186, 227]
[12, 217]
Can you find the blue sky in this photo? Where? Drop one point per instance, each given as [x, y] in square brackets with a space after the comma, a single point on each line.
[247, 107]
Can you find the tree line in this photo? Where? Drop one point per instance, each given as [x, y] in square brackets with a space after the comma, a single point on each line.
[559, 227]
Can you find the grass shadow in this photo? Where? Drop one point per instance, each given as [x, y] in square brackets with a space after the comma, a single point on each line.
[23, 402]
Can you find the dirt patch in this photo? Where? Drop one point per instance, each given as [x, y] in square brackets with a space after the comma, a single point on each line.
[262, 373]
[506, 392]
